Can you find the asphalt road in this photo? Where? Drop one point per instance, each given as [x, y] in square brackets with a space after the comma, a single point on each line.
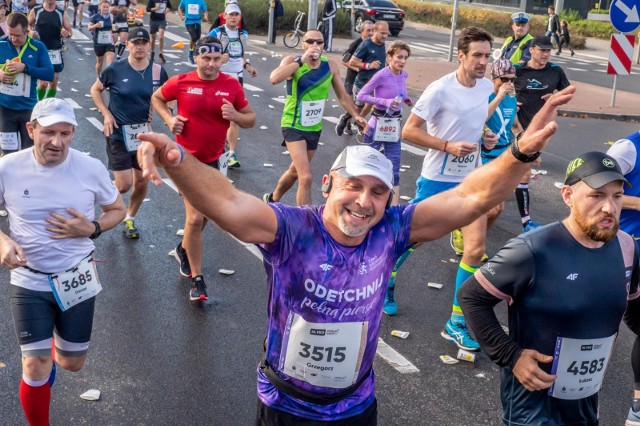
[159, 359]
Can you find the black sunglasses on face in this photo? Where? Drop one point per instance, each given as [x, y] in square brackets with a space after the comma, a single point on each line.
[507, 79]
[314, 41]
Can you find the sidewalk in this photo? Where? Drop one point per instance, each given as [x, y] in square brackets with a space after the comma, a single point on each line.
[590, 101]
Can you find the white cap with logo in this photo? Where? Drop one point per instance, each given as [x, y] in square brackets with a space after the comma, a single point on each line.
[362, 160]
[52, 111]
[232, 8]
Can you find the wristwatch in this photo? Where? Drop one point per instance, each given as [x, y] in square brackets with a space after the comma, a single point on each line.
[97, 232]
[298, 60]
[520, 156]
[26, 69]
[246, 64]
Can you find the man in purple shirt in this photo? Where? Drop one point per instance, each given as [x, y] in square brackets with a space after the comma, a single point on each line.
[328, 265]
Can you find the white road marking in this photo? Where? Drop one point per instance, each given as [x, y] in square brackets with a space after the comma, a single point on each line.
[78, 36]
[394, 358]
[171, 56]
[73, 103]
[281, 100]
[252, 88]
[175, 37]
[334, 120]
[98, 125]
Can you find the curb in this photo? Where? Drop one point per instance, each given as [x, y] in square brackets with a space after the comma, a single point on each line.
[630, 118]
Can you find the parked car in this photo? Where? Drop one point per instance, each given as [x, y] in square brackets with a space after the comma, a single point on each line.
[377, 10]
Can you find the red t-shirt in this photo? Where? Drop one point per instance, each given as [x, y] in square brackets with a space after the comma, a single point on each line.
[200, 101]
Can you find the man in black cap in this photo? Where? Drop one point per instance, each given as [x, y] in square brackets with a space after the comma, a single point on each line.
[131, 82]
[535, 81]
[516, 47]
[568, 285]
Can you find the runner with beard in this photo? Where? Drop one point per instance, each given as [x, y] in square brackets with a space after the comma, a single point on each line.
[568, 285]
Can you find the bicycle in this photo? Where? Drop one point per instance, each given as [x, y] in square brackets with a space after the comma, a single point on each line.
[292, 38]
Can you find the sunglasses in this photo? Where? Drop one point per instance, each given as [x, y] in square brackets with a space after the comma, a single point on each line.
[314, 41]
[203, 49]
[507, 79]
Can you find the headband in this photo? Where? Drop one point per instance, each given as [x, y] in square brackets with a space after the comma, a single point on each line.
[204, 48]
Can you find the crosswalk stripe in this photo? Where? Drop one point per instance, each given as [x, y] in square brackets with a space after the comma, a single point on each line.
[394, 358]
[78, 36]
[252, 88]
[73, 103]
[175, 37]
[98, 125]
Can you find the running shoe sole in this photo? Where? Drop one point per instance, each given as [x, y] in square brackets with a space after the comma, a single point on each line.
[177, 256]
[201, 297]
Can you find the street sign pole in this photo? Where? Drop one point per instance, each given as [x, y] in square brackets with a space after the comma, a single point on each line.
[454, 23]
[624, 18]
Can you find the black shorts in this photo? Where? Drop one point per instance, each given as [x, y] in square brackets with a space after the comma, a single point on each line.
[36, 313]
[120, 159]
[154, 26]
[93, 9]
[291, 134]
[194, 31]
[15, 121]
[77, 2]
[57, 68]
[270, 417]
[102, 49]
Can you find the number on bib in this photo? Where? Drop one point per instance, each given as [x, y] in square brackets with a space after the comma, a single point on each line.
[324, 354]
[75, 285]
[130, 132]
[311, 112]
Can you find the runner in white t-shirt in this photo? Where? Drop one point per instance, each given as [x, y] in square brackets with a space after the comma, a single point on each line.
[51, 192]
[454, 110]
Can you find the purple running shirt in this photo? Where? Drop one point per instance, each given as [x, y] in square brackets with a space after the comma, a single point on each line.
[324, 308]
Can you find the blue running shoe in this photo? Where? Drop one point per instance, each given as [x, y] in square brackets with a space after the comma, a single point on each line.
[530, 225]
[390, 307]
[459, 334]
[633, 418]
[191, 59]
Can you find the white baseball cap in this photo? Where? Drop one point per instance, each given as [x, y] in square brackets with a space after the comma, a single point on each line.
[232, 8]
[362, 160]
[52, 111]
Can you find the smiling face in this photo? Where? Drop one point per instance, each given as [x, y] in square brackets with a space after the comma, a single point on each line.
[596, 212]
[51, 143]
[354, 205]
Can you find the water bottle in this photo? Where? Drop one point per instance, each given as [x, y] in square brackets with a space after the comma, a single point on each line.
[391, 109]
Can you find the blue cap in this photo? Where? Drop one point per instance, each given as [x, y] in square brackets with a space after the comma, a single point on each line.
[521, 17]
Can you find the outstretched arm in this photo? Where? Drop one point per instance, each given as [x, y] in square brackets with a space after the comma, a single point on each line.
[488, 185]
[209, 191]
